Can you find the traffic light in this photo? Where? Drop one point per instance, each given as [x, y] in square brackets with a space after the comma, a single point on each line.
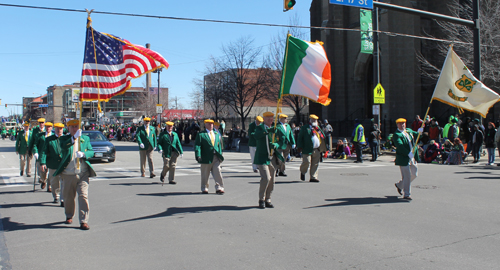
[5, 105]
[288, 4]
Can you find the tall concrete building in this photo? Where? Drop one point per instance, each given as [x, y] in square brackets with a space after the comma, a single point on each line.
[407, 93]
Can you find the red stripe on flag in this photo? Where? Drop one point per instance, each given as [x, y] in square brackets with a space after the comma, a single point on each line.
[324, 91]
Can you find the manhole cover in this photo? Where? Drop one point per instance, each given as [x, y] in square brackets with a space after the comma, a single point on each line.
[354, 174]
[426, 187]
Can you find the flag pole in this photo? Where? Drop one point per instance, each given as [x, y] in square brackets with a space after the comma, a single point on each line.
[281, 90]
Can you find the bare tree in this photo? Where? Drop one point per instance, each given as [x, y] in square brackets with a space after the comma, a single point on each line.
[197, 100]
[275, 59]
[462, 37]
[246, 80]
[212, 89]
[146, 102]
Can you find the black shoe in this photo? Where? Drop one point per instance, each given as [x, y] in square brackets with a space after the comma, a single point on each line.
[399, 190]
[408, 198]
[162, 178]
[204, 192]
[314, 180]
[262, 204]
[357, 161]
[303, 177]
[152, 175]
[21, 173]
[220, 192]
[269, 205]
[172, 182]
[28, 175]
[277, 173]
[62, 204]
[282, 174]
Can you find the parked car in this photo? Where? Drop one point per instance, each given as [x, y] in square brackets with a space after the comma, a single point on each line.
[103, 148]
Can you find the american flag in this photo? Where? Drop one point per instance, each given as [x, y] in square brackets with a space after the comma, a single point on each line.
[118, 62]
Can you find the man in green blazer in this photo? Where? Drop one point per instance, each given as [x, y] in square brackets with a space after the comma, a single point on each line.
[146, 138]
[252, 143]
[285, 140]
[75, 170]
[170, 147]
[50, 158]
[404, 139]
[265, 160]
[311, 141]
[38, 147]
[35, 131]
[22, 143]
[208, 152]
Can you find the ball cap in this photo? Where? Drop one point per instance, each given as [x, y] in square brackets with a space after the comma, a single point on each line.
[283, 115]
[313, 116]
[73, 122]
[169, 123]
[400, 120]
[268, 114]
[41, 120]
[26, 124]
[259, 118]
[49, 124]
[217, 124]
[208, 121]
[59, 125]
[146, 119]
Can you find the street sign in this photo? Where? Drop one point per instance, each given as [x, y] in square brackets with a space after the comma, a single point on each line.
[43, 105]
[159, 108]
[354, 3]
[376, 110]
[379, 94]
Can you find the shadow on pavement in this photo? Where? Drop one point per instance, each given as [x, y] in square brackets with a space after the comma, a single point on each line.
[190, 210]
[15, 205]
[16, 192]
[360, 201]
[484, 177]
[164, 194]
[10, 226]
[135, 184]
[277, 182]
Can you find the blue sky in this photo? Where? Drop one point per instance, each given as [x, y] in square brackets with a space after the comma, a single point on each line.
[41, 48]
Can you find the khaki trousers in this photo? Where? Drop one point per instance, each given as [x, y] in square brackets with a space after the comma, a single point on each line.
[267, 174]
[252, 155]
[284, 153]
[169, 166]
[25, 160]
[312, 160]
[43, 175]
[408, 174]
[53, 181]
[74, 184]
[213, 168]
[149, 155]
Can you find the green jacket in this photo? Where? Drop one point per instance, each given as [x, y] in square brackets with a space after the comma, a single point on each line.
[67, 152]
[251, 137]
[203, 147]
[51, 155]
[167, 145]
[284, 138]
[35, 132]
[403, 146]
[38, 142]
[263, 136]
[142, 137]
[21, 143]
[304, 140]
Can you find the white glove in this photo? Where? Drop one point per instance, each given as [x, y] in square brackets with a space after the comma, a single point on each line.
[410, 155]
[154, 149]
[293, 146]
[420, 130]
[182, 155]
[161, 151]
[77, 134]
[141, 145]
[80, 154]
[35, 155]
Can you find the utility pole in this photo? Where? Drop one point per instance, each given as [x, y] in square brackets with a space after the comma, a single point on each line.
[148, 84]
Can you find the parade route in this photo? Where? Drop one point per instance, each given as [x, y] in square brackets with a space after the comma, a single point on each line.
[352, 219]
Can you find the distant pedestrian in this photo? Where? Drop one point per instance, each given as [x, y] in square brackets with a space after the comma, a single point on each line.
[358, 140]
[489, 141]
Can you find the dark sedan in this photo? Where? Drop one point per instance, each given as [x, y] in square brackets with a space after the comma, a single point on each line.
[103, 149]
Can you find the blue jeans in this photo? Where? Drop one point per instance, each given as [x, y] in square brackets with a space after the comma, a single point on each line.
[374, 148]
[491, 155]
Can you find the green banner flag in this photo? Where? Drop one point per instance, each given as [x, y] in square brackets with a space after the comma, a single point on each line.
[366, 26]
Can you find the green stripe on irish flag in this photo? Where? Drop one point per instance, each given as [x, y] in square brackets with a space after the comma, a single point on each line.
[306, 71]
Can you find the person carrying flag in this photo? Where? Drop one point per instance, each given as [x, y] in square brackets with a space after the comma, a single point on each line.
[75, 170]
[146, 138]
[170, 147]
[22, 143]
[311, 143]
[208, 152]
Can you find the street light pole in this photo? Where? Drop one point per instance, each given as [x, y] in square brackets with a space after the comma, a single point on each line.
[159, 116]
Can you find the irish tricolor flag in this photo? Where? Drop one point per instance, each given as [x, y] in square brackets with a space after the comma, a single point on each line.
[306, 71]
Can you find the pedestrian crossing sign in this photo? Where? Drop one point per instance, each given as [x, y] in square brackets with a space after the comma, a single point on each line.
[379, 94]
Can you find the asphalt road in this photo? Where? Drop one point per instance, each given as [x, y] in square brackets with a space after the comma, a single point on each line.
[352, 219]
